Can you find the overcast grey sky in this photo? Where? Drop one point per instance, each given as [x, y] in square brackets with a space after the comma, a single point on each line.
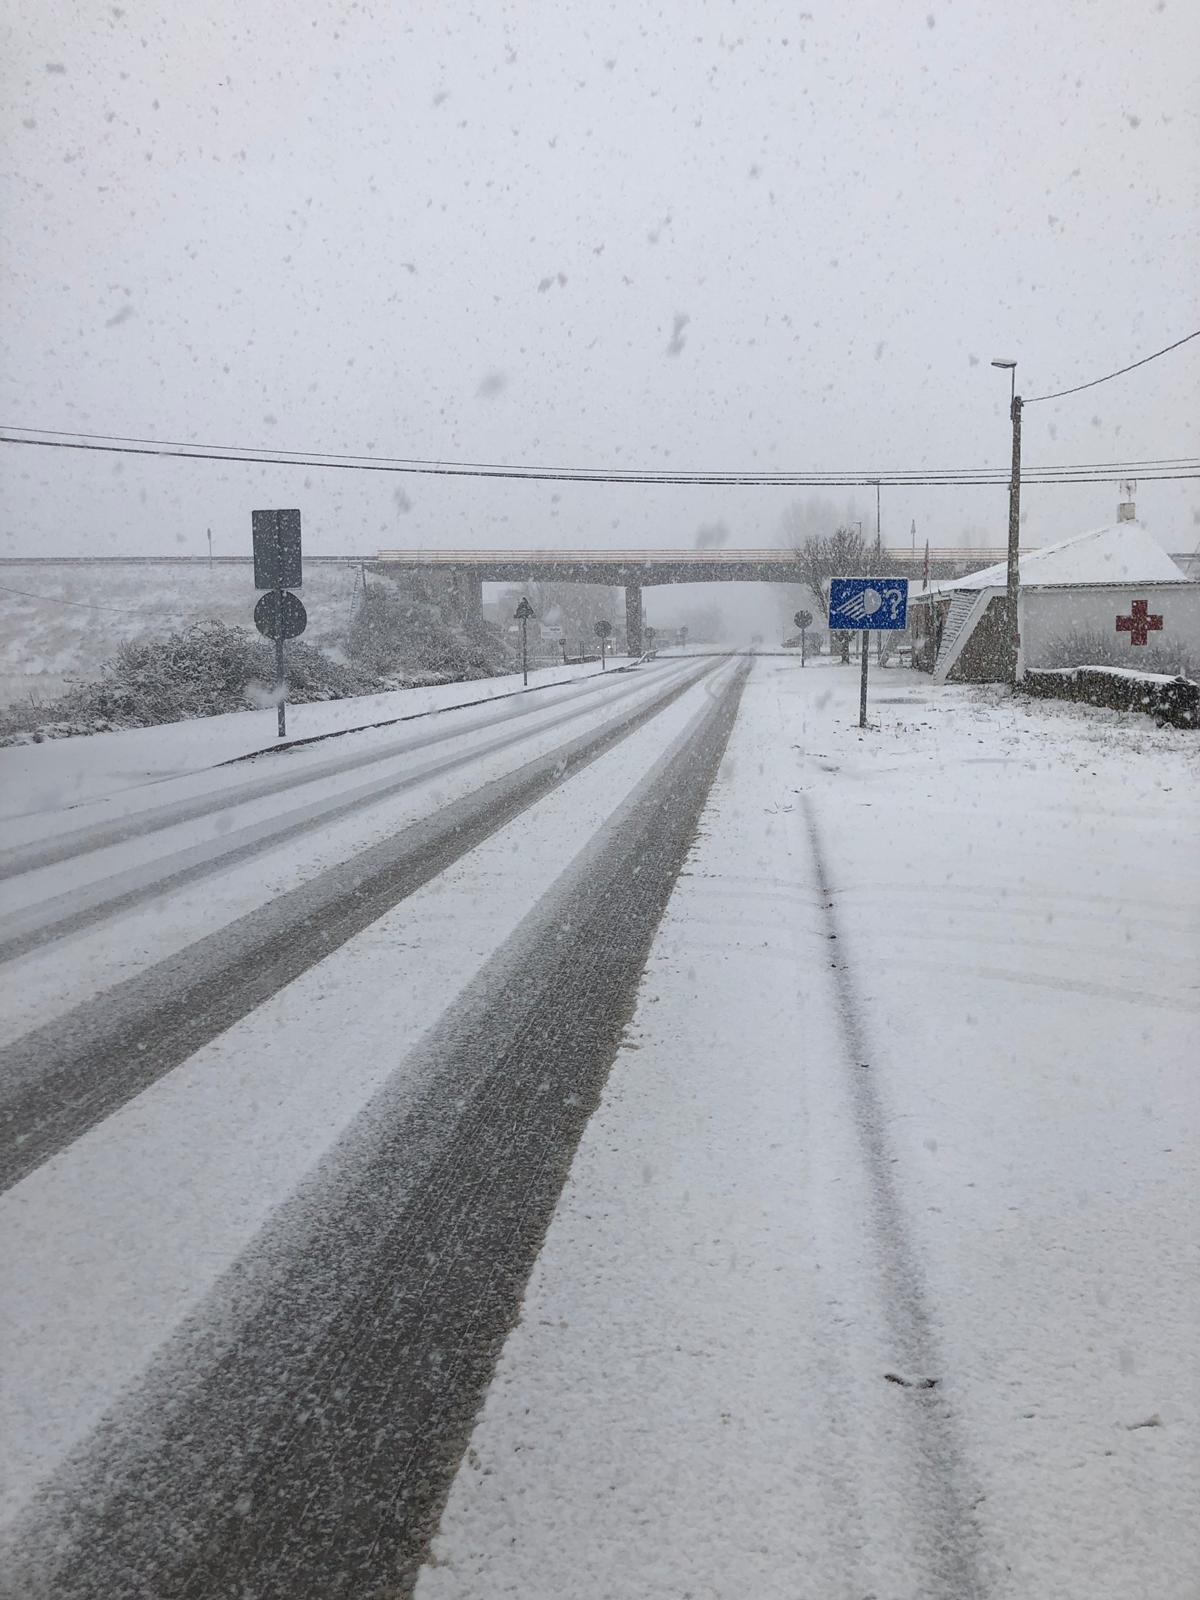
[475, 232]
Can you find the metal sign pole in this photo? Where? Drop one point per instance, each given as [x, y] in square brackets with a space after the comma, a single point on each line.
[280, 680]
[862, 693]
[801, 646]
[525, 651]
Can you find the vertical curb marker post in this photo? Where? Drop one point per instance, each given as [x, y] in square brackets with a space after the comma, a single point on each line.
[867, 605]
[523, 613]
[279, 615]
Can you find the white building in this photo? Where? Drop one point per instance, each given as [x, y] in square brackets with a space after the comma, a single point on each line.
[1113, 594]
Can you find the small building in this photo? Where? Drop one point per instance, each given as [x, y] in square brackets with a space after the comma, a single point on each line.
[1112, 596]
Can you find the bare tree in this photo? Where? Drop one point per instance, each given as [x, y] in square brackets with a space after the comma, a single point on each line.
[842, 554]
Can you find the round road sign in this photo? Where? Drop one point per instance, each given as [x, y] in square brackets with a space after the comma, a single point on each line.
[280, 615]
[603, 629]
[803, 619]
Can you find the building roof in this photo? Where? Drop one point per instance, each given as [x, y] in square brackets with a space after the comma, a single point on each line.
[1121, 552]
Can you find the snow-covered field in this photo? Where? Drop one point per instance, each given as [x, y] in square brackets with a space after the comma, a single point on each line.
[875, 1271]
[910, 1090]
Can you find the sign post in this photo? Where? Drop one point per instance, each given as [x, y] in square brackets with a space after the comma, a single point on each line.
[523, 613]
[280, 615]
[867, 605]
[278, 568]
[603, 629]
[803, 620]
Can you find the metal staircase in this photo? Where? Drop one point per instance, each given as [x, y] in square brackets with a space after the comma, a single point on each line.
[962, 606]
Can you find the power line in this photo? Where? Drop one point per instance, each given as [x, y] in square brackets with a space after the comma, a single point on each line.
[318, 457]
[1120, 372]
[1092, 472]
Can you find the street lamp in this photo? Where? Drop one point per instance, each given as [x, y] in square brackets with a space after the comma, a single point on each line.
[1012, 636]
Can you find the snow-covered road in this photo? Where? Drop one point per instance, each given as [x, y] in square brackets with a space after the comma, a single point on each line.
[875, 1269]
[205, 1052]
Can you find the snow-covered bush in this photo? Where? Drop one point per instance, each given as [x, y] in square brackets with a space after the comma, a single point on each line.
[195, 672]
[1095, 649]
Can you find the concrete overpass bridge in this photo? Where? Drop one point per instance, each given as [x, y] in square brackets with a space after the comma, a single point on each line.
[635, 570]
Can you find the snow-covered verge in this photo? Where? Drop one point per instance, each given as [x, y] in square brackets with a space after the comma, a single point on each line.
[909, 1091]
[1171, 699]
[60, 774]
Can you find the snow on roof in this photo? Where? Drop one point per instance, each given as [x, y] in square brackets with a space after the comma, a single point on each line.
[1121, 552]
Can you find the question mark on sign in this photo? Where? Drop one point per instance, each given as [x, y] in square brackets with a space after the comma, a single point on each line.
[893, 598]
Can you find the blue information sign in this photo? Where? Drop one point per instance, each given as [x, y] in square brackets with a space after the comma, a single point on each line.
[867, 603]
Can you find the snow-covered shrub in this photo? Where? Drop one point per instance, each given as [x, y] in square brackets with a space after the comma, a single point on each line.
[195, 672]
[1094, 649]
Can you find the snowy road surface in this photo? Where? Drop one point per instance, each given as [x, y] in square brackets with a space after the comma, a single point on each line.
[874, 1272]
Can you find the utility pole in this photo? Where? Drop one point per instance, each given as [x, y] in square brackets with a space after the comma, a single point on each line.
[1012, 644]
[878, 564]
[1014, 546]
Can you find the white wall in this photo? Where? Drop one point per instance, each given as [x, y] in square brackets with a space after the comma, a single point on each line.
[1051, 614]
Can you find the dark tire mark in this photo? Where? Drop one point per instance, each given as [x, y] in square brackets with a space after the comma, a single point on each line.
[100, 835]
[949, 1536]
[72, 911]
[64, 1077]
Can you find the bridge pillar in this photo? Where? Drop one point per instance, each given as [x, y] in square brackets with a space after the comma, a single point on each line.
[468, 596]
[633, 618]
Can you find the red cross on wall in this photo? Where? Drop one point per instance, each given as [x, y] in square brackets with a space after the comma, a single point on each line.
[1137, 624]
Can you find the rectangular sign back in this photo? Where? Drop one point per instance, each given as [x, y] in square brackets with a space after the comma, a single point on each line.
[277, 563]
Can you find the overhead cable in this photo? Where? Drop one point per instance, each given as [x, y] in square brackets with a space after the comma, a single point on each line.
[1120, 372]
[1176, 468]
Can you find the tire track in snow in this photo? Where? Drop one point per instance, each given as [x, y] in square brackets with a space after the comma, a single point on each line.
[74, 910]
[64, 1077]
[948, 1532]
[135, 825]
[297, 1440]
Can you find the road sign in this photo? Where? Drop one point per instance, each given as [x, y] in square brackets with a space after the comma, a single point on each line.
[277, 562]
[868, 603]
[803, 620]
[523, 613]
[280, 615]
[603, 629]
